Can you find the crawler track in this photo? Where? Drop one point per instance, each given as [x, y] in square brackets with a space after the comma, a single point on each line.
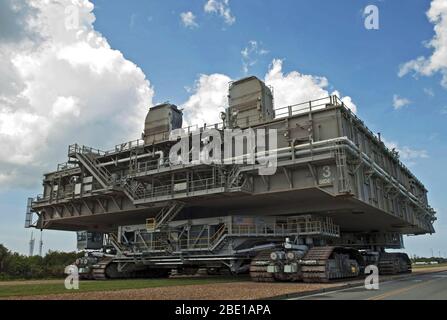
[315, 264]
[323, 264]
[258, 267]
[100, 269]
[394, 263]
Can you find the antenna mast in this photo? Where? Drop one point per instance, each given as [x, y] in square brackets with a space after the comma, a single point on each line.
[31, 245]
[40, 243]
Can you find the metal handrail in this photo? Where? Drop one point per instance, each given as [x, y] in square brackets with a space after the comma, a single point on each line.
[265, 229]
[126, 146]
[66, 166]
[195, 185]
[218, 234]
[76, 148]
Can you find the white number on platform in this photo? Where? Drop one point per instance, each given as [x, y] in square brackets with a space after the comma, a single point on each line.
[327, 172]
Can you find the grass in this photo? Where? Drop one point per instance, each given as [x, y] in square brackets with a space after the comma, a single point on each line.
[110, 285]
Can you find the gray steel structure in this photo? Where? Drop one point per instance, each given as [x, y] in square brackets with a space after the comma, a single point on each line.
[336, 183]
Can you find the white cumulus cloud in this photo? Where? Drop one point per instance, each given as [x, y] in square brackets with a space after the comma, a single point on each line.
[294, 87]
[399, 102]
[208, 100]
[188, 19]
[409, 155]
[222, 8]
[209, 95]
[437, 62]
[251, 53]
[60, 85]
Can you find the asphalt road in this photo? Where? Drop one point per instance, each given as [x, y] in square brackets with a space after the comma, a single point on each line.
[416, 287]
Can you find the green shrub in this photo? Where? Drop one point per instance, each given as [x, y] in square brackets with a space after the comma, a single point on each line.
[17, 266]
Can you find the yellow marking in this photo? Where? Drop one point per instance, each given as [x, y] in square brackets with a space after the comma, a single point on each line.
[398, 291]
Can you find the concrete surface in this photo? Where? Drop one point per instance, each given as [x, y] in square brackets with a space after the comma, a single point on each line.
[428, 286]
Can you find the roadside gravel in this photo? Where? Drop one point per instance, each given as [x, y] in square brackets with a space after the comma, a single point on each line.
[223, 291]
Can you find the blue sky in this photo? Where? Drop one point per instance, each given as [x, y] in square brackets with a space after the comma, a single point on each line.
[319, 38]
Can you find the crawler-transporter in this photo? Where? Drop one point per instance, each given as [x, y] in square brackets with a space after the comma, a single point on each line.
[326, 202]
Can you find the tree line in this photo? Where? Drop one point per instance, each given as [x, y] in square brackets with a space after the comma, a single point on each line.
[16, 266]
[428, 260]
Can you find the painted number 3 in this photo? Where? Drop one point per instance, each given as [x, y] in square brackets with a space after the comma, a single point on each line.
[327, 172]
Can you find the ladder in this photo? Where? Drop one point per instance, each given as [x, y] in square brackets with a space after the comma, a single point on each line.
[341, 163]
[29, 214]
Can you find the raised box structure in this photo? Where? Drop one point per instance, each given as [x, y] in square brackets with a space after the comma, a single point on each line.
[250, 103]
[160, 121]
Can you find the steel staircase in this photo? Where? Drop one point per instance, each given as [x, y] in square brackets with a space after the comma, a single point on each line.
[113, 240]
[88, 158]
[220, 238]
[166, 215]
[233, 176]
[101, 174]
[133, 191]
